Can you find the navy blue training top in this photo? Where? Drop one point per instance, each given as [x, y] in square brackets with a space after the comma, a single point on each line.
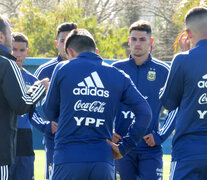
[186, 88]
[84, 96]
[45, 71]
[149, 78]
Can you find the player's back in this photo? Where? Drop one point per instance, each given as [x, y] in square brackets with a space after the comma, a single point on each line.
[191, 124]
[96, 89]
[87, 92]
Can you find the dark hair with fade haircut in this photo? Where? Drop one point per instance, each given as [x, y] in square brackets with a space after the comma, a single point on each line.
[67, 26]
[4, 22]
[80, 40]
[194, 13]
[141, 25]
[20, 37]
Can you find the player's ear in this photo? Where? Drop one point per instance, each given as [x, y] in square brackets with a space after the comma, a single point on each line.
[189, 33]
[56, 43]
[128, 40]
[96, 50]
[2, 37]
[70, 53]
[151, 41]
[27, 51]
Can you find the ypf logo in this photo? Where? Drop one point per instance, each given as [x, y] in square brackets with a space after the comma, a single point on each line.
[203, 83]
[91, 85]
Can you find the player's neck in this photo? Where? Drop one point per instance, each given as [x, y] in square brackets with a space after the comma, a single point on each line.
[141, 59]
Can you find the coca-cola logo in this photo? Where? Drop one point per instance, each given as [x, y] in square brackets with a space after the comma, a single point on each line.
[203, 99]
[95, 106]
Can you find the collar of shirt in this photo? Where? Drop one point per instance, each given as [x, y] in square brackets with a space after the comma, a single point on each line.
[145, 62]
[4, 48]
[4, 51]
[59, 59]
[89, 56]
[201, 42]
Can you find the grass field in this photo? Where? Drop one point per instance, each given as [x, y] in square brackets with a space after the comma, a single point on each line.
[40, 165]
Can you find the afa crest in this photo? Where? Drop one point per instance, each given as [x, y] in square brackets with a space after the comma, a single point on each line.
[28, 85]
[151, 75]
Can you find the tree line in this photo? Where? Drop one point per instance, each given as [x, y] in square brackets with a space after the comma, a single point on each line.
[107, 20]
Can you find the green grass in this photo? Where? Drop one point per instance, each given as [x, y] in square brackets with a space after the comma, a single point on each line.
[40, 165]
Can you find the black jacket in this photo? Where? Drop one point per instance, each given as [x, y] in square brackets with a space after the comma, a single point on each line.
[14, 101]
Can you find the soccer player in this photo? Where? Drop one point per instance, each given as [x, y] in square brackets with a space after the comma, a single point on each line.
[23, 168]
[14, 99]
[84, 96]
[45, 71]
[186, 88]
[149, 75]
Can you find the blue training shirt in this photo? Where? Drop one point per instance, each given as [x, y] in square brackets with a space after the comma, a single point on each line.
[84, 96]
[24, 132]
[186, 88]
[149, 78]
[45, 71]
[32, 117]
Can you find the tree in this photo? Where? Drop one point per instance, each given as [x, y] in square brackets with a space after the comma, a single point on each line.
[10, 7]
[40, 27]
[179, 16]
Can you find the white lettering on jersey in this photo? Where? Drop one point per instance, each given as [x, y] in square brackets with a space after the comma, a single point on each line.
[79, 120]
[203, 83]
[203, 99]
[128, 114]
[91, 91]
[91, 85]
[89, 121]
[95, 106]
[201, 114]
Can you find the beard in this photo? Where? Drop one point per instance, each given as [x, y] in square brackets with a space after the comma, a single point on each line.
[8, 44]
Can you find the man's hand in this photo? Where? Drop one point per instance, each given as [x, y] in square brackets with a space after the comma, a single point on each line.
[54, 127]
[115, 148]
[116, 137]
[184, 42]
[45, 82]
[149, 139]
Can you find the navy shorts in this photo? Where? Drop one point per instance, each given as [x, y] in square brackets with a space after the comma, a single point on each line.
[136, 166]
[80, 171]
[23, 168]
[189, 170]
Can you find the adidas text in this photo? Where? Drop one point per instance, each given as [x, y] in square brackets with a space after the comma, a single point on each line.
[202, 84]
[93, 91]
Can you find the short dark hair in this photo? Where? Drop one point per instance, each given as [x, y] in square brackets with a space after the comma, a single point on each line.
[67, 26]
[20, 37]
[194, 13]
[141, 25]
[80, 40]
[4, 22]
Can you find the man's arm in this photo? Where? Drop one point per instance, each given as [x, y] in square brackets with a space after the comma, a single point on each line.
[139, 106]
[157, 138]
[15, 91]
[42, 125]
[51, 102]
[171, 94]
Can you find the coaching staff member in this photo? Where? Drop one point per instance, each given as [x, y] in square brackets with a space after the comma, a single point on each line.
[14, 99]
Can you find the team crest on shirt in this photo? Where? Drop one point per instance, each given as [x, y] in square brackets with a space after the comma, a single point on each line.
[151, 75]
[28, 85]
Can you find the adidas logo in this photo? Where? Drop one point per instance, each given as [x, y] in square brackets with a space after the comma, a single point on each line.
[92, 85]
[205, 76]
[203, 83]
